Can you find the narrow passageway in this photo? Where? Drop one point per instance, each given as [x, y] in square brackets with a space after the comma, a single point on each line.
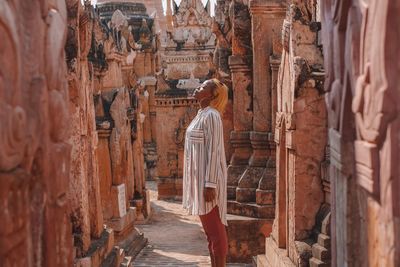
[175, 239]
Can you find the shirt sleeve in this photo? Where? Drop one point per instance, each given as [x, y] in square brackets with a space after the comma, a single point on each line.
[213, 131]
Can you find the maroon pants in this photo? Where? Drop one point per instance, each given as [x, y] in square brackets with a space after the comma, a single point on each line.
[216, 233]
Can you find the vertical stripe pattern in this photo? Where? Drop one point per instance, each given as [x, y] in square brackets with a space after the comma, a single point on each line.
[205, 164]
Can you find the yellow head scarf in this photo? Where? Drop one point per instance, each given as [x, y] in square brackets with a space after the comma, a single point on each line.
[220, 96]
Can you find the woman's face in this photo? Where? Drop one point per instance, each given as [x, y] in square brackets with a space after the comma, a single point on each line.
[204, 91]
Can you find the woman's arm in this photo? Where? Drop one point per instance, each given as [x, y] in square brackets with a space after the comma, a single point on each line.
[213, 141]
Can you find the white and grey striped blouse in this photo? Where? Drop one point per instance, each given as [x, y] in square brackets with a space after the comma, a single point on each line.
[205, 163]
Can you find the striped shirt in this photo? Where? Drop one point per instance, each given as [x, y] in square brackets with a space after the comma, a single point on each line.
[205, 164]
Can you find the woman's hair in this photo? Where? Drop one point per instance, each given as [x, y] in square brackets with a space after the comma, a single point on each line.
[220, 96]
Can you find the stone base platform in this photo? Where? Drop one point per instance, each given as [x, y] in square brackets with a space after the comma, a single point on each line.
[251, 209]
[104, 252]
[98, 251]
[246, 237]
[123, 226]
[169, 188]
[117, 258]
[144, 204]
[234, 174]
[274, 256]
[134, 243]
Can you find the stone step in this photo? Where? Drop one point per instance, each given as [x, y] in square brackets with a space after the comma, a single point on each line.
[324, 241]
[251, 210]
[115, 258]
[320, 252]
[246, 238]
[246, 194]
[317, 263]
[268, 181]
[99, 250]
[134, 244]
[265, 197]
[231, 192]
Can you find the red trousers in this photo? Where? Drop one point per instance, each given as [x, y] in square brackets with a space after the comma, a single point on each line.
[215, 232]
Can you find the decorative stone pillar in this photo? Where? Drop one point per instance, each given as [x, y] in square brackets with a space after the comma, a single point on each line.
[265, 193]
[150, 127]
[275, 62]
[240, 137]
[149, 84]
[143, 131]
[267, 16]
[240, 66]
[114, 148]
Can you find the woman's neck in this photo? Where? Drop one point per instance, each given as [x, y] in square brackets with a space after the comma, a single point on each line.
[205, 103]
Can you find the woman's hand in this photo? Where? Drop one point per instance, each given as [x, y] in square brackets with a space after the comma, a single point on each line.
[209, 194]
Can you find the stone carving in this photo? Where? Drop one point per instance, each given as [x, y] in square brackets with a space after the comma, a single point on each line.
[34, 157]
[192, 24]
[223, 47]
[13, 137]
[120, 136]
[221, 11]
[138, 159]
[361, 81]
[127, 24]
[187, 48]
[162, 85]
[145, 34]
[301, 139]
[241, 43]
[49, 170]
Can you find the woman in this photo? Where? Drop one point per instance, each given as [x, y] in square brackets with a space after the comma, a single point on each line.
[204, 171]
